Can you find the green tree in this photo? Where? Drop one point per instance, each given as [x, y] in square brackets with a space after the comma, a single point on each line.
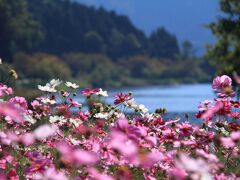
[225, 53]
[18, 31]
[163, 44]
[41, 66]
[187, 51]
[94, 42]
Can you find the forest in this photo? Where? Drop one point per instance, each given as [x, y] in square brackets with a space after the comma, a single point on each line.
[43, 39]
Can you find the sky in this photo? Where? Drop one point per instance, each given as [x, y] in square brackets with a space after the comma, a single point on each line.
[184, 18]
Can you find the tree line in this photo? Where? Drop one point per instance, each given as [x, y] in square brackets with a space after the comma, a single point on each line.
[63, 26]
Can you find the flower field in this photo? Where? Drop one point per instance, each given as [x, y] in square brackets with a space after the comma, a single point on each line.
[52, 138]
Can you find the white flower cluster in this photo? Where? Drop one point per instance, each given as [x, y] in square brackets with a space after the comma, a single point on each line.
[107, 115]
[72, 85]
[60, 120]
[57, 119]
[50, 87]
[30, 119]
[102, 93]
[75, 122]
[133, 105]
[48, 101]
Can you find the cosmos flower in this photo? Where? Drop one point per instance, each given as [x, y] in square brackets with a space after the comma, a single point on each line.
[10, 110]
[72, 85]
[89, 92]
[5, 90]
[50, 87]
[120, 98]
[102, 93]
[221, 82]
[44, 131]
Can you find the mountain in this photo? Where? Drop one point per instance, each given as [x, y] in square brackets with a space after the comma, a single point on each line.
[184, 18]
[68, 26]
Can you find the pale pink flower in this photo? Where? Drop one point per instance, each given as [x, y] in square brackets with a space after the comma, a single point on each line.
[10, 110]
[19, 101]
[5, 90]
[44, 131]
[27, 139]
[221, 82]
[76, 156]
[98, 176]
[50, 174]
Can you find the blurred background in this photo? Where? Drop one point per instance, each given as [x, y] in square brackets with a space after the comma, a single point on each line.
[167, 52]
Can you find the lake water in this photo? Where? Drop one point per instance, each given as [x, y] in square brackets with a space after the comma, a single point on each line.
[178, 98]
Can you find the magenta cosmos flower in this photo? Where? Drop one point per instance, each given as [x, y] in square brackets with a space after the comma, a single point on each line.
[89, 92]
[120, 98]
[221, 82]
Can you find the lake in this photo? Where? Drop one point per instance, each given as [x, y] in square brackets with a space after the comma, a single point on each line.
[177, 98]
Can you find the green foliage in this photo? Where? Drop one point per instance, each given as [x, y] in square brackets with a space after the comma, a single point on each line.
[98, 70]
[163, 44]
[42, 66]
[225, 54]
[65, 26]
[18, 30]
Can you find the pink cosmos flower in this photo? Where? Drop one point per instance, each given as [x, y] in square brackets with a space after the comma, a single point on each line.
[231, 141]
[195, 166]
[44, 131]
[185, 129]
[39, 163]
[27, 139]
[74, 103]
[147, 160]
[118, 140]
[221, 82]
[19, 101]
[177, 173]
[208, 115]
[131, 131]
[5, 90]
[51, 174]
[98, 176]
[10, 110]
[76, 156]
[120, 98]
[12, 174]
[89, 92]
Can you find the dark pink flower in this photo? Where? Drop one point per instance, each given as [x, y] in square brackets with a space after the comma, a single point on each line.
[120, 98]
[5, 90]
[89, 92]
[39, 163]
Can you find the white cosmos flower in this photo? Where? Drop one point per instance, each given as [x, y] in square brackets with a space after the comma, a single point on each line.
[60, 119]
[75, 122]
[29, 119]
[55, 82]
[102, 93]
[71, 85]
[101, 115]
[142, 108]
[48, 101]
[50, 87]
[47, 88]
[0, 61]
[131, 104]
